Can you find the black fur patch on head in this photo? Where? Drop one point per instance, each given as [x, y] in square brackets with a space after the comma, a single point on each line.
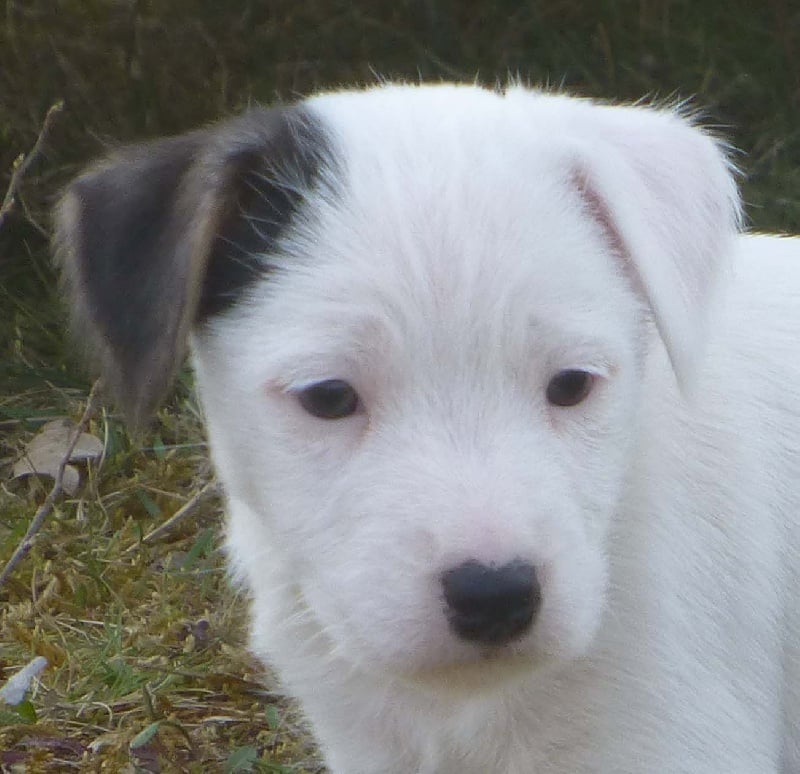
[266, 188]
[167, 234]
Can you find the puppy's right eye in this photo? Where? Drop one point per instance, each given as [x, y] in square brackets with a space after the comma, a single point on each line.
[331, 399]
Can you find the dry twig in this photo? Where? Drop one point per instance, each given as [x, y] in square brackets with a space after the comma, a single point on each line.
[49, 502]
[210, 488]
[23, 162]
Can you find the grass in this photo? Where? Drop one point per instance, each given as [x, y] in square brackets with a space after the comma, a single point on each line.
[144, 640]
[148, 670]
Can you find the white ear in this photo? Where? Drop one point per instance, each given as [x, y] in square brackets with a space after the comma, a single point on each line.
[664, 192]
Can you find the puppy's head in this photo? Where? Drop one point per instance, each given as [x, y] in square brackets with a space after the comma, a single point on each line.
[420, 318]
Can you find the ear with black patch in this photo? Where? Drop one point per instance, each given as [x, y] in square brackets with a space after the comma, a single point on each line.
[664, 193]
[165, 235]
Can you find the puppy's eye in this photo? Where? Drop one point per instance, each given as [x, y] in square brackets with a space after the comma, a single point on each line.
[569, 387]
[331, 399]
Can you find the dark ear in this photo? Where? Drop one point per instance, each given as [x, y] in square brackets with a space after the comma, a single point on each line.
[167, 234]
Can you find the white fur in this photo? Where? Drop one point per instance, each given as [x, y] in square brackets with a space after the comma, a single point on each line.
[475, 244]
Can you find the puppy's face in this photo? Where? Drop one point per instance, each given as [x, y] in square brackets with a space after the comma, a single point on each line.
[442, 339]
[422, 393]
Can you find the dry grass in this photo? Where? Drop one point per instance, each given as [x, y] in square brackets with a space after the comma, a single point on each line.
[144, 638]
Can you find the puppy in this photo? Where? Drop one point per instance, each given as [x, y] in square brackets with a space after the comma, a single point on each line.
[506, 414]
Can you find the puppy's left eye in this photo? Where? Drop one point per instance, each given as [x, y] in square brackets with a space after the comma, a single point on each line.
[331, 399]
[569, 387]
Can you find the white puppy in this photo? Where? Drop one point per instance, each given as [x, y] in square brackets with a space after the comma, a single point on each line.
[505, 411]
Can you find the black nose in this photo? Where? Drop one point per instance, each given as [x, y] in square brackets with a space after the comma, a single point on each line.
[491, 605]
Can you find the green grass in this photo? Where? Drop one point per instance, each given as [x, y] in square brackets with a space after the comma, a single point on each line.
[148, 666]
[144, 641]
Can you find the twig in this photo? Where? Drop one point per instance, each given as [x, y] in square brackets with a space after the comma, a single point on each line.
[209, 489]
[23, 162]
[49, 502]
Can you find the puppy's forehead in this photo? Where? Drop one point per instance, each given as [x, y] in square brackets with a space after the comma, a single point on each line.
[446, 225]
[448, 200]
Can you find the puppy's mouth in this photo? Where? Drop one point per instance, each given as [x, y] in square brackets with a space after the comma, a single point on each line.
[489, 668]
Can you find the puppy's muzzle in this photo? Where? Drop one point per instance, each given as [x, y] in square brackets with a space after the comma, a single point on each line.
[491, 605]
